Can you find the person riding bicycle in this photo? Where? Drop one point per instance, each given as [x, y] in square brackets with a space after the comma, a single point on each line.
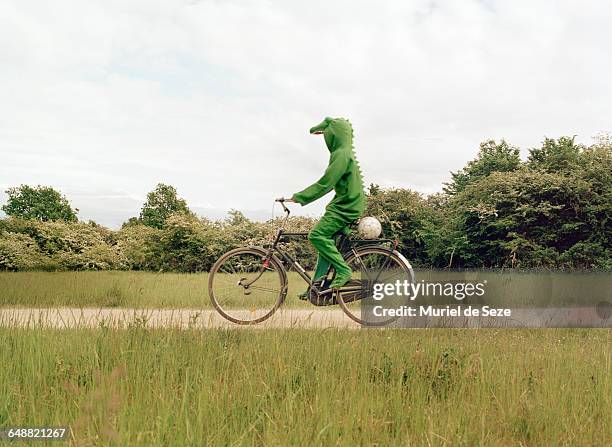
[343, 175]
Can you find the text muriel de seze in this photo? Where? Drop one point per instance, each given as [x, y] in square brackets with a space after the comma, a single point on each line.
[410, 290]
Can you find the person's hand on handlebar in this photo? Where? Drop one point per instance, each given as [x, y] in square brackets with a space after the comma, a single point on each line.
[286, 200]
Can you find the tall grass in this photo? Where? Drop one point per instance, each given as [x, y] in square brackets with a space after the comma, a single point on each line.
[174, 290]
[115, 289]
[227, 387]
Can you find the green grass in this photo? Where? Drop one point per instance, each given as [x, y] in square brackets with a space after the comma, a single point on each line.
[116, 289]
[278, 388]
[176, 290]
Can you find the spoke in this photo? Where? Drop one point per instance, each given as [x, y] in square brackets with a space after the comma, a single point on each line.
[233, 268]
[228, 268]
[264, 289]
[382, 268]
[364, 268]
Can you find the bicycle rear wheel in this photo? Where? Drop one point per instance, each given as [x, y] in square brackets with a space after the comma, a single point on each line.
[374, 264]
[245, 288]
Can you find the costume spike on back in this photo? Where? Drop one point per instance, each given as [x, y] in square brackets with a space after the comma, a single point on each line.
[355, 155]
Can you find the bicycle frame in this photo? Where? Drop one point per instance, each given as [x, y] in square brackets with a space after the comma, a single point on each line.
[345, 245]
[277, 260]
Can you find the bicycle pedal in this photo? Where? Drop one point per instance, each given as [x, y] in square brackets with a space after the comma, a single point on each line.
[325, 292]
[323, 299]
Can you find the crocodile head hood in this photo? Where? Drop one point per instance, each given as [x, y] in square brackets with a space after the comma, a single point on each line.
[319, 128]
[336, 131]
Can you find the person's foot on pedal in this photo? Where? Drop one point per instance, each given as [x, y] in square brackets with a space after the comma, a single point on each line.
[320, 295]
[317, 285]
[340, 280]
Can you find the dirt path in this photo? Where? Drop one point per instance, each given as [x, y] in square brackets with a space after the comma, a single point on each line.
[64, 317]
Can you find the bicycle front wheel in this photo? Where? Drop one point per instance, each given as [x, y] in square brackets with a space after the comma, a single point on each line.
[245, 287]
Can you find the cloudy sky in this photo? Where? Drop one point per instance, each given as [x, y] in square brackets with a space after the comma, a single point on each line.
[104, 99]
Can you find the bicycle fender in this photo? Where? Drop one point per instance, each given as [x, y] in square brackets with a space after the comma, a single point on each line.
[396, 253]
[405, 261]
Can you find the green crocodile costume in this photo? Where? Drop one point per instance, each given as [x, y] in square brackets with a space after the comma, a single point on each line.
[344, 177]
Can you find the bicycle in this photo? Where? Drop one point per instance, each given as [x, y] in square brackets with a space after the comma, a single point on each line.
[248, 285]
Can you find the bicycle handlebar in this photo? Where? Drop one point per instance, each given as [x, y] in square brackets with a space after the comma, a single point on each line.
[281, 200]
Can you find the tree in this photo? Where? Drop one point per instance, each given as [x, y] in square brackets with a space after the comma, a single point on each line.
[235, 217]
[373, 189]
[405, 215]
[160, 204]
[492, 157]
[530, 218]
[39, 203]
[561, 155]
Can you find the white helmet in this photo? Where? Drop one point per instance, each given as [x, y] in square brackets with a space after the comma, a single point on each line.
[369, 227]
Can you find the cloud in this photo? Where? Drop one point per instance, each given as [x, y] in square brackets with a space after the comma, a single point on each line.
[216, 98]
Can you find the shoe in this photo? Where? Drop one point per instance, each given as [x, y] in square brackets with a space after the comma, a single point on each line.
[318, 284]
[321, 296]
[339, 281]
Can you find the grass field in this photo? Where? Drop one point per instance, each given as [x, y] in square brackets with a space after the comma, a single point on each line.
[295, 387]
[116, 289]
[175, 290]
[142, 386]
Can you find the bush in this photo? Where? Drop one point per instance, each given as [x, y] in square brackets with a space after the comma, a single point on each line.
[139, 247]
[189, 244]
[298, 247]
[530, 219]
[551, 211]
[19, 252]
[68, 245]
[410, 218]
